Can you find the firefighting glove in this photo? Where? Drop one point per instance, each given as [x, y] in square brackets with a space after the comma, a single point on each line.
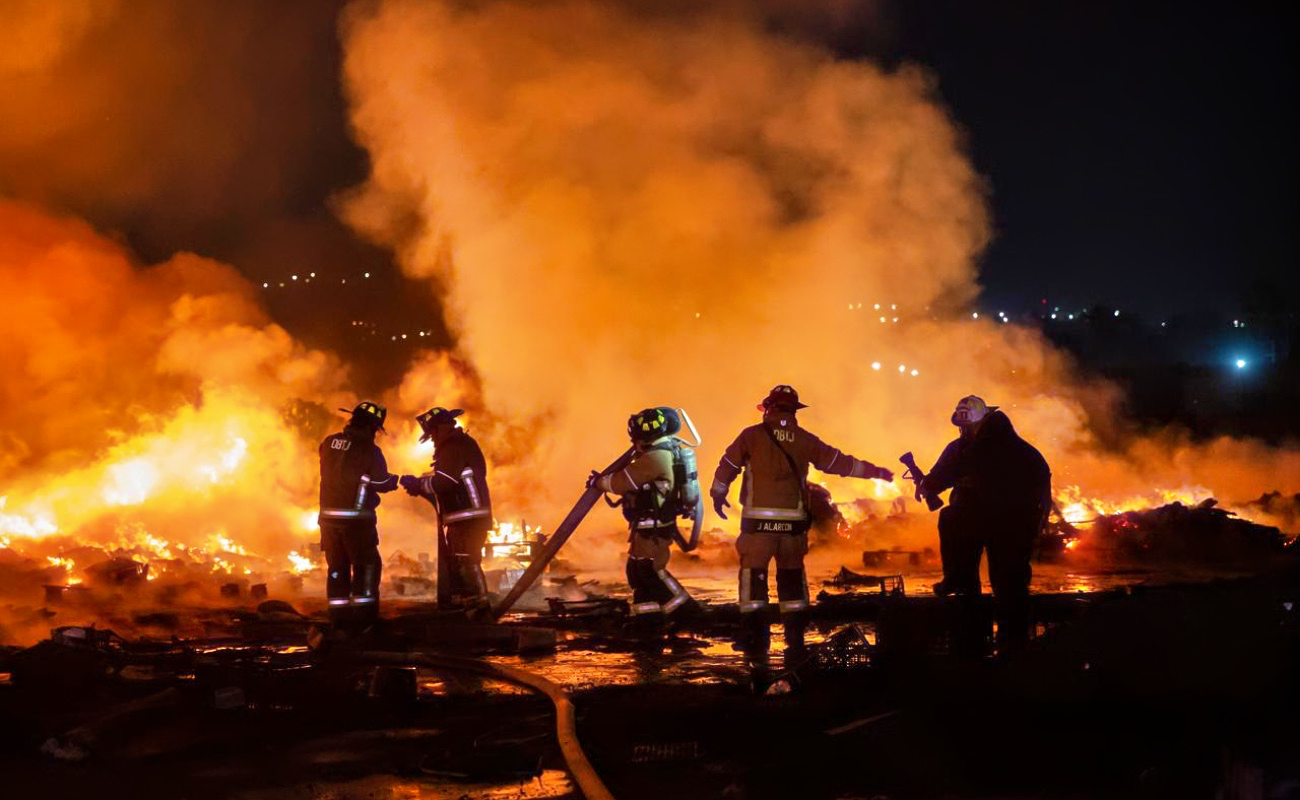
[593, 478]
[719, 503]
[882, 474]
[410, 483]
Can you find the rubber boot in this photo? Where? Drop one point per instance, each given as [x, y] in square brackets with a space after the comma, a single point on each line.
[365, 595]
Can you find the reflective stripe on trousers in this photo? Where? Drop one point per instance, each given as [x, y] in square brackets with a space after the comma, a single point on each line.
[748, 603]
[646, 608]
[679, 593]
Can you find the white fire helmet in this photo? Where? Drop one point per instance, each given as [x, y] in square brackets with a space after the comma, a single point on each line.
[970, 410]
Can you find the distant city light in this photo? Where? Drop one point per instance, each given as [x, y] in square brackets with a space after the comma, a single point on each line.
[875, 365]
[367, 275]
[893, 307]
[902, 368]
[975, 315]
[877, 306]
[266, 286]
[1241, 363]
[1071, 316]
[915, 372]
[1053, 316]
[295, 277]
[1117, 312]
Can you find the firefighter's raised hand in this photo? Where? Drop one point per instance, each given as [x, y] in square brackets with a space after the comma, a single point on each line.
[719, 503]
[410, 483]
[593, 478]
[882, 474]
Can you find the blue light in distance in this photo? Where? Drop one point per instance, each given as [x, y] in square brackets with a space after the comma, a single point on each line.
[1241, 363]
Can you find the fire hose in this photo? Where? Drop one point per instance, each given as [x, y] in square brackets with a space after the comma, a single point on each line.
[566, 727]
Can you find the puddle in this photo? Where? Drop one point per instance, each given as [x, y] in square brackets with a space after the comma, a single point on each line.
[550, 784]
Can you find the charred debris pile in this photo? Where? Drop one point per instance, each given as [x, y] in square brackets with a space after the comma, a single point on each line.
[1173, 534]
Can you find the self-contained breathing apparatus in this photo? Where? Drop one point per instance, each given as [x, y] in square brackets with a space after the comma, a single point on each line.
[659, 506]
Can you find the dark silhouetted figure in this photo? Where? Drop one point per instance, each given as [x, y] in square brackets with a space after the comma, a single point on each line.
[1001, 494]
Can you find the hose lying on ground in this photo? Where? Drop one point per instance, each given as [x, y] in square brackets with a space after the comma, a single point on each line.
[566, 728]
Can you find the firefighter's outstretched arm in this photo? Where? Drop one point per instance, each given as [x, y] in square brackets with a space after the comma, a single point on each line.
[380, 479]
[834, 462]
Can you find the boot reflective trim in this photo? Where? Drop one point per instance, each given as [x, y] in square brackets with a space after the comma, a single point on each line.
[646, 608]
[359, 600]
[340, 601]
[775, 513]
[468, 514]
[787, 606]
[747, 602]
[679, 594]
[347, 513]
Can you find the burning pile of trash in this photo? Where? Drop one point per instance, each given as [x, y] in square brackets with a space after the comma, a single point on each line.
[1175, 533]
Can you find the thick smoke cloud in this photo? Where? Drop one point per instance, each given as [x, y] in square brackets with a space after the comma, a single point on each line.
[161, 114]
[625, 208]
[629, 209]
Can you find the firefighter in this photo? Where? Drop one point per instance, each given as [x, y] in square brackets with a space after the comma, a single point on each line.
[457, 486]
[1001, 494]
[648, 487]
[353, 474]
[774, 456]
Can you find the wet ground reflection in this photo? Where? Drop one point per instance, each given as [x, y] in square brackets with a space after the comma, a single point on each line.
[550, 784]
[589, 660]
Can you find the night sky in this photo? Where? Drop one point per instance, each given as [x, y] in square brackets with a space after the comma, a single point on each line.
[1138, 155]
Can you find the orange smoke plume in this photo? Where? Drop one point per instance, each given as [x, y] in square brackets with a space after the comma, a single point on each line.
[627, 207]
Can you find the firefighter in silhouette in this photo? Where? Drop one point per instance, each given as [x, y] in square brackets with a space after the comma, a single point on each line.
[457, 486]
[353, 474]
[774, 456]
[648, 488]
[1001, 495]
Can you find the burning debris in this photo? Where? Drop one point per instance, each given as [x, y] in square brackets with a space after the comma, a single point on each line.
[1171, 534]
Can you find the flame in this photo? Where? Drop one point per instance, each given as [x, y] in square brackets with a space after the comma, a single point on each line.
[511, 540]
[301, 564]
[1077, 509]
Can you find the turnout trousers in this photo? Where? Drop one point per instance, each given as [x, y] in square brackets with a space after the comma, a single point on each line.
[461, 583]
[654, 589]
[1008, 535]
[352, 557]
